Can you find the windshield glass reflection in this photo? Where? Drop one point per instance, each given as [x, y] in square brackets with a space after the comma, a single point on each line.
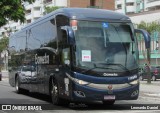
[102, 43]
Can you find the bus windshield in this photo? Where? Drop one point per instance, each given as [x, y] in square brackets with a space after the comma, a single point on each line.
[105, 46]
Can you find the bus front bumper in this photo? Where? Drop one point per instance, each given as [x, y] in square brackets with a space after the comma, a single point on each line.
[84, 93]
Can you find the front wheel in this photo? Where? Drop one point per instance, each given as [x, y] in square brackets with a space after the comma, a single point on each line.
[141, 78]
[153, 78]
[17, 84]
[109, 102]
[54, 92]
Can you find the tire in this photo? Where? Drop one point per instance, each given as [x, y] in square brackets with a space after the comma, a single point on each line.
[153, 78]
[17, 84]
[54, 92]
[109, 102]
[141, 78]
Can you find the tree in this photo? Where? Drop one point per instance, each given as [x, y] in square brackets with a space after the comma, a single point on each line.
[3, 43]
[50, 9]
[12, 10]
[150, 27]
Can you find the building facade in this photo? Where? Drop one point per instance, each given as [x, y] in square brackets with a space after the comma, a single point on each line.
[129, 6]
[37, 9]
[151, 5]
[102, 4]
[136, 6]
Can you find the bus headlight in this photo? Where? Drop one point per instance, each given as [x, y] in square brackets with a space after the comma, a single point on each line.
[134, 82]
[81, 82]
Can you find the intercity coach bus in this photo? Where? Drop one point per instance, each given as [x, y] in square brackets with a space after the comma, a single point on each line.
[77, 55]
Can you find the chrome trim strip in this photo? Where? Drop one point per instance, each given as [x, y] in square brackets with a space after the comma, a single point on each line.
[105, 86]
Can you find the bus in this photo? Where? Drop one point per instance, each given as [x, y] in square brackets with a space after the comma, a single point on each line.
[77, 55]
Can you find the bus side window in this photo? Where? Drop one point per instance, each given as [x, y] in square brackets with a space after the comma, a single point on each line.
[65, 54]
[64, 38]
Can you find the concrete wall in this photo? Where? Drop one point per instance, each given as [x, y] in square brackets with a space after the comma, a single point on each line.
[145, 16]
[4, 74]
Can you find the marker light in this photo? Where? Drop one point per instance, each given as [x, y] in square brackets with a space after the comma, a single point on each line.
[73, 22]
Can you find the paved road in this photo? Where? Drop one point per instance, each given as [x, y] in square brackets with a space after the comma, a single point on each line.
[9, 96]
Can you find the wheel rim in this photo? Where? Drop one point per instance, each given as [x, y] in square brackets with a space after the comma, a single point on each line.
[153, 78]
[17, 87]
[54, 92]
[140, 77]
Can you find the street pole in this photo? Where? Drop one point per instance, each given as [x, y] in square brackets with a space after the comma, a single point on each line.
[148, 66]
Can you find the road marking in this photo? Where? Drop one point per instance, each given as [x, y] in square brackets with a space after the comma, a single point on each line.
[152, 94]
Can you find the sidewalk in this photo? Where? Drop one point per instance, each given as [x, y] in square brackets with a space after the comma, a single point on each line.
[151, 91]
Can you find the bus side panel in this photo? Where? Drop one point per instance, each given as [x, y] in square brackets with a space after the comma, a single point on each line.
[42, 39]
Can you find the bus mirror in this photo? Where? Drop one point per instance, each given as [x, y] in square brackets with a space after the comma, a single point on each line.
[145, 35]
[70, 34]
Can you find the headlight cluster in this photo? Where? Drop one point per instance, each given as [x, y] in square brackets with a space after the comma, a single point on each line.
[81, 82]
[134, 82]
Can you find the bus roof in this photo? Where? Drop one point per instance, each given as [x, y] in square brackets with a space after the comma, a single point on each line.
[82, 14]
[89, 13]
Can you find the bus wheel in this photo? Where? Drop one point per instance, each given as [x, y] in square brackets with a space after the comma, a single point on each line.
[141, 78]
[153, 78]
[55, 94]
[109, 102]
[18, 89]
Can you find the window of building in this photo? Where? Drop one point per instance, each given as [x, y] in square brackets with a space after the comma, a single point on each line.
[119, 6]
[129, 4]
[47, 1]
[28, 21]
[92, 2]
[149, 1]
[28, 11]
[37, 8]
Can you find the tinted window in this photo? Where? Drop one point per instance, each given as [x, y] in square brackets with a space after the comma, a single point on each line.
[42, 35]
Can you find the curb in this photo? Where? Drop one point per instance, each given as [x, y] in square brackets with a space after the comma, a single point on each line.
[157, 99]
[149, 96]
[4, 79]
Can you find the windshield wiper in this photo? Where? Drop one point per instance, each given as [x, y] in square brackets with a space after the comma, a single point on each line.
[95, 66]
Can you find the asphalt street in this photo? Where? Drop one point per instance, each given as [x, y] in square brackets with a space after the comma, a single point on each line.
[8, 96]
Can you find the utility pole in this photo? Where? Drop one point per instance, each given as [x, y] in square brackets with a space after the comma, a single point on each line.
[148, 65]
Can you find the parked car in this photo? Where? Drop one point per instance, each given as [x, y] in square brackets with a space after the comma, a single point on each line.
[155, 73]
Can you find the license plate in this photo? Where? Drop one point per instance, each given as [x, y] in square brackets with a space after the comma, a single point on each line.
[109, 97]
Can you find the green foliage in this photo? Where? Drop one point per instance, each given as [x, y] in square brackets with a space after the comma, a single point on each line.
[150, 27]
[12, 10]
[3, 43]
[50, 9]
[16, 60]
